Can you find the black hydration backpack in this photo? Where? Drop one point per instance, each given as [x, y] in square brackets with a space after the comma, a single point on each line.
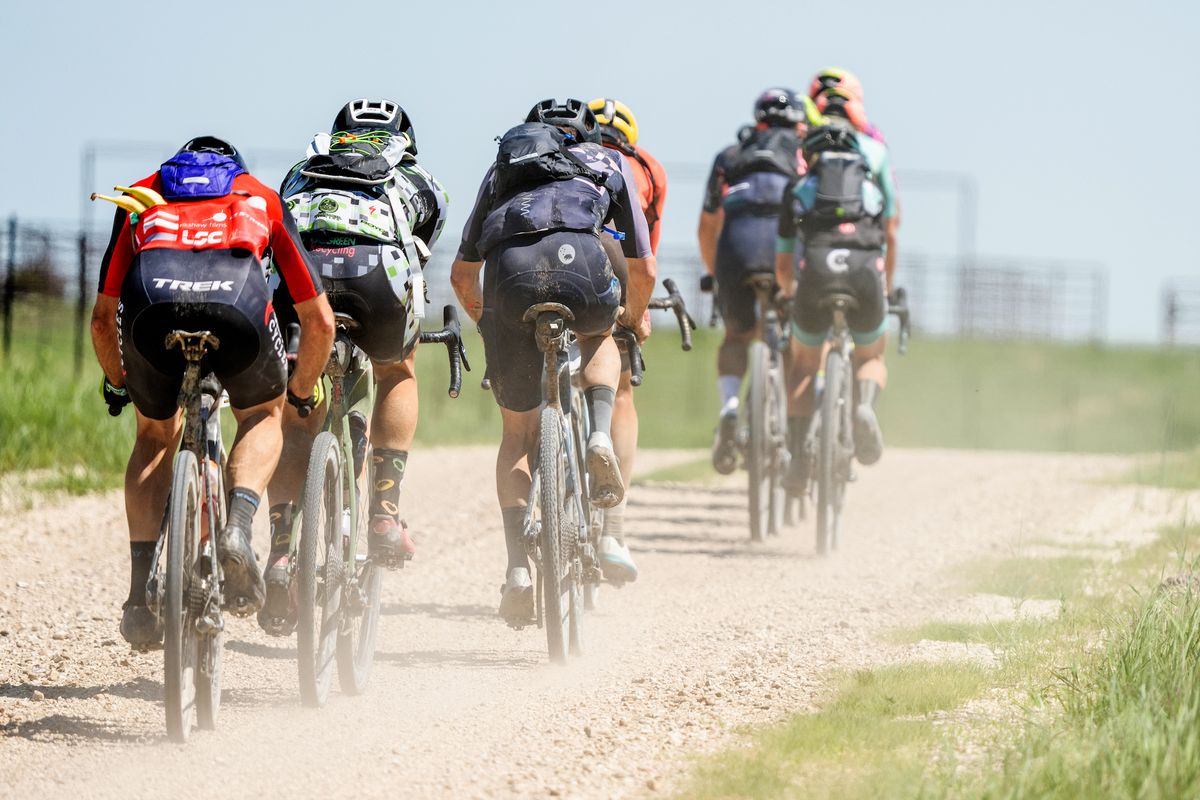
[534, 154]
[840, 169]
[769, 150]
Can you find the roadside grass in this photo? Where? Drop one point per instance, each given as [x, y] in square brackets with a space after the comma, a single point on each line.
[1168, 470]
[1027, 578]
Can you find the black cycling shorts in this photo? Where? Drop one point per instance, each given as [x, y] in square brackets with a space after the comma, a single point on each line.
[362, 290]
[564, 267]
[746, 246]
[205, 290]
[856, 272]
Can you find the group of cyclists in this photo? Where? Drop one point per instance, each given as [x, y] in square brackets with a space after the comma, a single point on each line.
[569, 213]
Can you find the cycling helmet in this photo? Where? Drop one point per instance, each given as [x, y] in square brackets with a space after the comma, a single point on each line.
[571, 114]
[779, 107]
[378, 114]
[837, 102]
[616, 120]
[211, 144]
[835, 78]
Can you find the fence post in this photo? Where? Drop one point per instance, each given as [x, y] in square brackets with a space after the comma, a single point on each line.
[81, 303]
[10, 284]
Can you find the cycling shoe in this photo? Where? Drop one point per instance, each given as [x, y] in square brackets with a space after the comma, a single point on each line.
[608, 489]
[724, 455]
[244, 591]
[868, 438]
[516, 598]
[140, 626]
[615, 561]
[389, 542]
[277, 616]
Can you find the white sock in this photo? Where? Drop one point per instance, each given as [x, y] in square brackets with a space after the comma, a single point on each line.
[729, 386]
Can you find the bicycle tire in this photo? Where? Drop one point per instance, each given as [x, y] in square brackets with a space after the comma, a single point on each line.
[845, 454]
[356, 639]
[776, 446]
[595, 516]
[318, 573]
[830, 434]
[757, 452]
[555, 602]
[179, 630]
[208, 680]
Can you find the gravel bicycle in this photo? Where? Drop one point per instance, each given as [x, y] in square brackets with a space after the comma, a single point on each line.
[337, 588]
[762, 432]
[184, 588]
[830, 440]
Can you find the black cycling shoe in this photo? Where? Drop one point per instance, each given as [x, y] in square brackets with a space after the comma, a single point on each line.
[140, 626]
[244, 591]
[868, 438]
[795, 480]
[724, 455]
[389, 543]
[277, 616]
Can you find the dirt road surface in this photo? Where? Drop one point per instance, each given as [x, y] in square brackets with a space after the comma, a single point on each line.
[717, 634]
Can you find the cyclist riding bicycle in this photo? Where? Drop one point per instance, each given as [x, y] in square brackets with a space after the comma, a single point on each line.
[619, 131]
[737, 237]
[845, 211]
[368, 215]
[535, 232]
[195, 262]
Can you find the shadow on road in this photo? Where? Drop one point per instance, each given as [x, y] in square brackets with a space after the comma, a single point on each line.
[460, 613]
[484, 659]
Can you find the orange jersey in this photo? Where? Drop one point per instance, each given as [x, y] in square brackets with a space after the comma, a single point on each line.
[652, 186]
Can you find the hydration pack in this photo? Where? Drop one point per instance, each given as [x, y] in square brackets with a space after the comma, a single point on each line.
[193, 176]
[534, 154]
[359, 158]
[769, 150]
[838, 169]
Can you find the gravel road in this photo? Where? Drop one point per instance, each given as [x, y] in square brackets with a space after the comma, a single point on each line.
[716, 634]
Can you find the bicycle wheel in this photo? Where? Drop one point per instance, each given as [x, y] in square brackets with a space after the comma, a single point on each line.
[832, 399]
[179, 625]
[360, 625]
[319, 571]
[556, 599]
[208, 673]
[595, 516]
[758, 447]
[776, 446]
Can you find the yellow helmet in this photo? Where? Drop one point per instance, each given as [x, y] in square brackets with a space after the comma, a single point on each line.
[615, 116]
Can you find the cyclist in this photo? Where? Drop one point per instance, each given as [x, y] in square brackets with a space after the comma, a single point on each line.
[838, 78]
[197, 264]
[536, 225]
[619, 131]
[371, 241]
[737, 237]
[845, 209]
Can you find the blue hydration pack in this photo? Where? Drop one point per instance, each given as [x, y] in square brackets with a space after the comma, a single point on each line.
[194, 176]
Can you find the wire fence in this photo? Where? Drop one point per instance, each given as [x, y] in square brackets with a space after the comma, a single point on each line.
[1181, 311]
[988, 298]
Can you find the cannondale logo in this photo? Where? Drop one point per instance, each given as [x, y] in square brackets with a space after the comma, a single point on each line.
[566, 254]
[838, 260]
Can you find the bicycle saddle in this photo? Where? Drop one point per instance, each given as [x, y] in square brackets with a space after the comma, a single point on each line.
[346, 321]
[840, 301]
[761, 280]
[537, 309]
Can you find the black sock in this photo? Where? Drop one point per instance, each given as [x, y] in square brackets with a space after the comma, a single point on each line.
[797, 432]
[868, 392]
[141, 554]
[242, 505]
[514, 535]
[600, 401]
[281, 527]
[389, 474]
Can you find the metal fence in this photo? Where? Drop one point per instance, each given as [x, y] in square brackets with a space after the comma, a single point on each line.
[1181, 311]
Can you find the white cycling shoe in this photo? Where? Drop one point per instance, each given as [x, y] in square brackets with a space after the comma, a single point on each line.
[604, 470]
[516, 598]
[615, 561]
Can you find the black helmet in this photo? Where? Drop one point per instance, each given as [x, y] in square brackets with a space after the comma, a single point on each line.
[570, 113]
[380, 114]
[779, 107]
[211, 144]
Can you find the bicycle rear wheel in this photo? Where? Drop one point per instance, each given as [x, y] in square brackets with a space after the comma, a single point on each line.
[319, 571]
[208, 672]
[556, 601]
[828, 475]
[776, 445]
[758, 455]
[594, 516]
[360, 625]
[180, 646]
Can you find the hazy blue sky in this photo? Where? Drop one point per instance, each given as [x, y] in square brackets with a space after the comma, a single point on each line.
[1078, 119]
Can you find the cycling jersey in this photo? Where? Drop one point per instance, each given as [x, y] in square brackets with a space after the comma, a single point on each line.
[651, 184]
[758, 191]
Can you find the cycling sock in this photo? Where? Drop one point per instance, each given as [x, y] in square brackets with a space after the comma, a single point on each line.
[614, 522]
[514, 533]
[600, 401]
[389, 474]
[729, 387]
[868, 392]
[242, 505]
[141, 554]
[358, 438]
[797, 432]
[281, 527]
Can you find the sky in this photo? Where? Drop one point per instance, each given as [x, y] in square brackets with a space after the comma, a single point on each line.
[1075, 119]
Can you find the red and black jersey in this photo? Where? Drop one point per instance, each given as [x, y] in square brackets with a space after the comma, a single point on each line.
[251, 217]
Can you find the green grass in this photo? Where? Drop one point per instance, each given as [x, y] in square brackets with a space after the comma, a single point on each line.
[998, 633]
[1025, 578]
[1169, 470]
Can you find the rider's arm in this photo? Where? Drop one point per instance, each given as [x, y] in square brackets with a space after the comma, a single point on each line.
[712, 214]
[105, 340]
[891, 218]
[464, 273]
[464, 277]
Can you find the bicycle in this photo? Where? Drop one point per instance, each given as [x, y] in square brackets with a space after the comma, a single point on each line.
[762, 433]
[830, 440]
[184, 589]
[337, 588]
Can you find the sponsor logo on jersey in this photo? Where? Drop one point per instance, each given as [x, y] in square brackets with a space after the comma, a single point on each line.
[193, 286]
[838, 260]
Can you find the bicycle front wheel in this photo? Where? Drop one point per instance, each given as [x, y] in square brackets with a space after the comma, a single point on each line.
[552, 572]
[180, 646]
[828, 475]
[319, 573]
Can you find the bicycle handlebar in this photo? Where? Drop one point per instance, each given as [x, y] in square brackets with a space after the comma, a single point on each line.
[637, 366]
[451, 336]
[898, 305]
[674, 302]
